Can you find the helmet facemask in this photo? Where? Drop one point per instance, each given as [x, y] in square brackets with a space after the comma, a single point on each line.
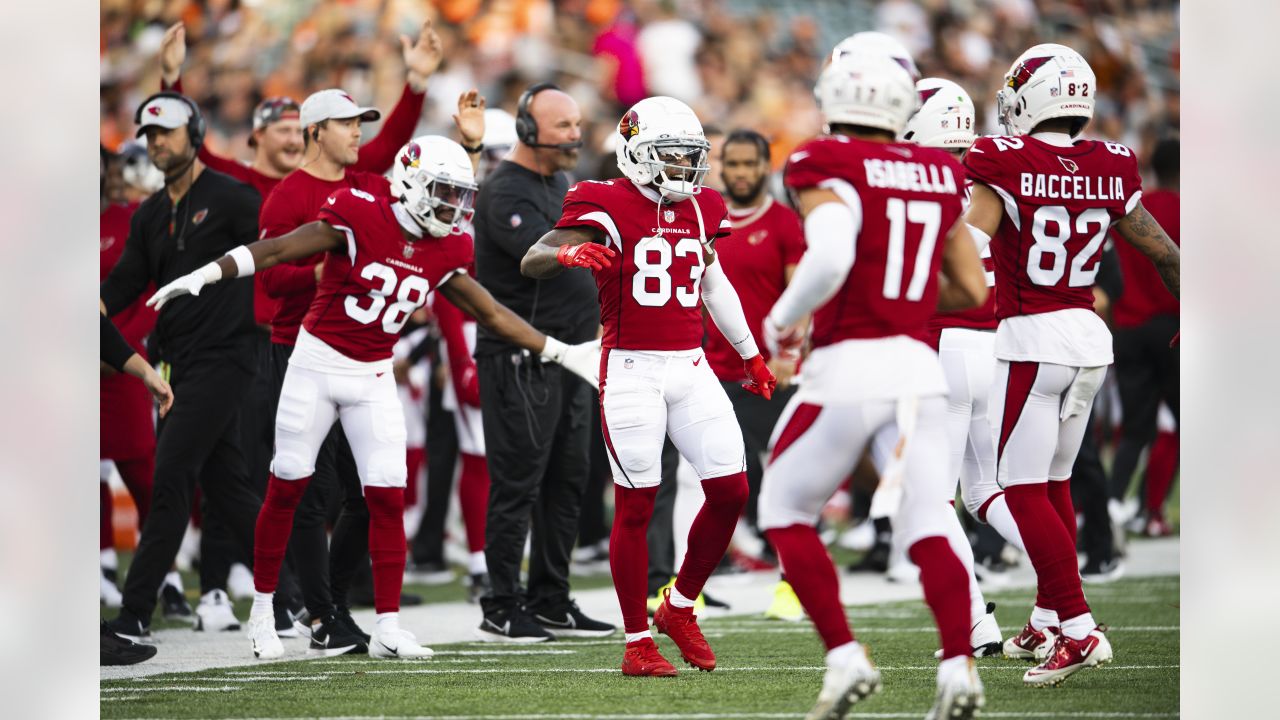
[439, 204]
[678, 166]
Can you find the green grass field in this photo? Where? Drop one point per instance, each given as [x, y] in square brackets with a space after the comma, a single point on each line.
[767, 669]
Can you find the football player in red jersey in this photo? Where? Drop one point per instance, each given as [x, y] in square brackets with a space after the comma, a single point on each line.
[896, 208]
[383, 258]
[1046, 201]
[660, 225]
[965, 340]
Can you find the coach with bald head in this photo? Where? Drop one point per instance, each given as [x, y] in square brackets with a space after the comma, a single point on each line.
[536, 417]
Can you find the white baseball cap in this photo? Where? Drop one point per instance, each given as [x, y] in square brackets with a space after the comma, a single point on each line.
[333, 104]
[166, 112]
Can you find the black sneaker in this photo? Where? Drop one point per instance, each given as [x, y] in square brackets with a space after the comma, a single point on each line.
[714, 602]
[876, 560]
[343, 616]
[568, 622]
[1100, 572]
[117, 650]
[284, 622]
[477, 587]
[331, 637]
[174, 604]
[128, 627]
[514, 626]
[362, 596]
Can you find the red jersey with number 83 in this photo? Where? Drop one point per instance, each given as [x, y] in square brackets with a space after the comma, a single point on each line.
[910, 198]
[1059, 204]
[369, 288]
[650, 298]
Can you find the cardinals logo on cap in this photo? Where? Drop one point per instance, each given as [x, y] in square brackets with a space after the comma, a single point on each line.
[412, 156]
[629, 125]
[349, 98]
[1070, 165]
[154, 110]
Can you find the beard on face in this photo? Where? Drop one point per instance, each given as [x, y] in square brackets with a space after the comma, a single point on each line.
[753, 191]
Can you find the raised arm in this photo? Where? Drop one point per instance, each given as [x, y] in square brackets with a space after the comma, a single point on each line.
[1142, 231]
[566, 247]
[173, 52]
[242, 261]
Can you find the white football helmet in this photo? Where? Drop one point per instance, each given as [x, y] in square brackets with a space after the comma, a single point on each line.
[657, 134]
[1048, 81]
[432, 178]
[945, 119]
[866, 89]
[877, 42]
[139, 171]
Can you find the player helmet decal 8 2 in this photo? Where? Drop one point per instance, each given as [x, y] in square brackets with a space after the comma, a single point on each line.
[868, 90]
[945, 119]
[661, 142]
[432, 178]
[1048, 81]
[871, 41]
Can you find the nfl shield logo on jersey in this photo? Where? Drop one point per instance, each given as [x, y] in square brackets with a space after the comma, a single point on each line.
[669, 215]
[628, 363]
[408, 251]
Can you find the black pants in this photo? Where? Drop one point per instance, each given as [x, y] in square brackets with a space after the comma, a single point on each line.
[326, 570]
[442, 458]
[536, 433]
[593, 525]
[1147, 371]
[198, 442]
[756, 417]
[1089, 496]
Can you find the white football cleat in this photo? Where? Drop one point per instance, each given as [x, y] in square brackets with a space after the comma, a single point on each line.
[262, 636]
[400, 645]
[984, 637]
[214, 613]
[240, 582]
[960, 693]
[845, 684]
[108, 593]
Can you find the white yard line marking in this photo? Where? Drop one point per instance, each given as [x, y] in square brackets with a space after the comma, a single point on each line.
[173, 688]
[712, 716]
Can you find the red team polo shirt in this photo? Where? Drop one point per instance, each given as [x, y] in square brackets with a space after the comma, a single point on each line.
[1145, 295]
[296, 201]
[125, 429]
[650, 298]
[370, 287]
[754, 256]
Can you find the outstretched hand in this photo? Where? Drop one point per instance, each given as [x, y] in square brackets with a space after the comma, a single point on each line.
[173, 52]
[470, 117]
[423, 56]
[588, 255]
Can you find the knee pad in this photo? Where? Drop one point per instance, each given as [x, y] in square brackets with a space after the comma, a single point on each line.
[724, 450]
[386, 468]
[293, 461]
[729, 490]
[633, 506]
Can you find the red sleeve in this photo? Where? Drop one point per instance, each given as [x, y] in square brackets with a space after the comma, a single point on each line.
[982, 162]
[717, 208]
[462, 367]
[585, 206]
[289, 278]
[809, 165]
[278, 218]
[396, 130]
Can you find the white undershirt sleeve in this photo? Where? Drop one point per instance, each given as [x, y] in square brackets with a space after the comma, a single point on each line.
[831, 231]
[726, 311]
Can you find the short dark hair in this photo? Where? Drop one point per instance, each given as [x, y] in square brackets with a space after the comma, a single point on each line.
[1164, 160]
[744, 135]
[308, 134]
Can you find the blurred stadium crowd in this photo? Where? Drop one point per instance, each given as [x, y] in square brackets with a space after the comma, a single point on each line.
[738, 63]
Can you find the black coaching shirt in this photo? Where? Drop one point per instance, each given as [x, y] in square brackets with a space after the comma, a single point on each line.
[514, 209]
[167, 241]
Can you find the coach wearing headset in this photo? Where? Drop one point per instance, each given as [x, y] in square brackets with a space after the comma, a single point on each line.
[536, 416]
[206, 345]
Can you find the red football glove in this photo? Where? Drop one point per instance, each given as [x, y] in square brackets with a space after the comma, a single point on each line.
[469, 387]
[762, 380]
[587, 255]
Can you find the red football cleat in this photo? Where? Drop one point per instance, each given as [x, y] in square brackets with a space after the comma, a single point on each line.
[681, 625]
[1030, 644]
[1069, 656]
[642, 659]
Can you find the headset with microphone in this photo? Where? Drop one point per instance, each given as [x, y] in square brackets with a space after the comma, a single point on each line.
[527, 126]
[196, 127]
